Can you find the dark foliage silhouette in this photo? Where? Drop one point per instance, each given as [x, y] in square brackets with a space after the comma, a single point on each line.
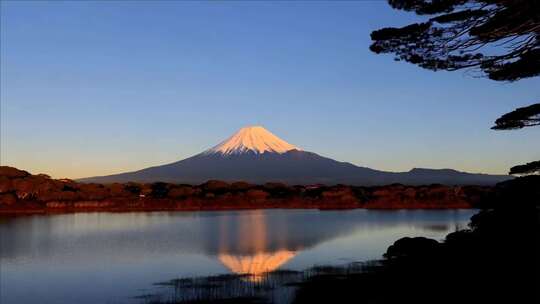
[495, 261]
[519, 118]
[507, 33]
[528, 168]
[458, 29]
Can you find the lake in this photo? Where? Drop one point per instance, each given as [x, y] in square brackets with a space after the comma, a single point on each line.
[114, 257]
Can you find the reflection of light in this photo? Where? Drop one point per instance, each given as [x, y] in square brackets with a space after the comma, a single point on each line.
[256, 265]
[256, 258]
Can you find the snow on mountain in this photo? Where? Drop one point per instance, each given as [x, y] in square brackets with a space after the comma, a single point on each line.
[252, 138]
[255, 155]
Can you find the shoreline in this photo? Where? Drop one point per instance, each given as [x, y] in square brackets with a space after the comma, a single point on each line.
[72, 210]
[202, 206]
[24, 193]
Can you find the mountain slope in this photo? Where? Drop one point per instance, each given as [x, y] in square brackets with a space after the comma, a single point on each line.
[255, 155]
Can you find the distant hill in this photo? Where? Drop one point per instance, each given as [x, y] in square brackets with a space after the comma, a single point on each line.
[255, 155]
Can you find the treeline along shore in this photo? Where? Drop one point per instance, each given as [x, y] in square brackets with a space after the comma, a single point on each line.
[22, 192]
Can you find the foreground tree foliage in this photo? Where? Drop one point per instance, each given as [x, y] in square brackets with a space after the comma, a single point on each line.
[519, 118]
[528, 168]
[499, 39]
[494, 261]
[452, 38]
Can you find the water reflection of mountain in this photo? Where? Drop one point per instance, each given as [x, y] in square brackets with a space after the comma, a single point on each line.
[248, 246]
[257, 264]
[258, 241]
[243, 233]
[247, 233]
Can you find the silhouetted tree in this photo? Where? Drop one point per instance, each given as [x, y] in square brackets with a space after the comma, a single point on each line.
[519, 118]
[507, 32]
[451, 40]
[528, 168]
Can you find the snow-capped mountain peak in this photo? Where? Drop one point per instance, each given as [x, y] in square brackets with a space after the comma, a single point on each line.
[252, 139]
[255, 155]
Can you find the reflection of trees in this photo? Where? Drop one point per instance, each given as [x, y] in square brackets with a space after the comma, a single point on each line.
[24, 235]
[245, 233]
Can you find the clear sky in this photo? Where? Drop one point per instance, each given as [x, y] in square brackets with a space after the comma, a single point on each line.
[94, 88]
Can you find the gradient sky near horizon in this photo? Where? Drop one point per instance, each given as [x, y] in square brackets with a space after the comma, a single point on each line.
[95, 88]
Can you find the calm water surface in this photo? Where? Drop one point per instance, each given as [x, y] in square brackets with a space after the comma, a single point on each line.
[113, 257]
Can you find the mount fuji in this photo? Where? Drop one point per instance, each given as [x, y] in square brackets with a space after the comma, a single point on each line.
[254, 154]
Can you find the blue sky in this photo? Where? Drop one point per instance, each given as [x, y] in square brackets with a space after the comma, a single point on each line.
[93, 88]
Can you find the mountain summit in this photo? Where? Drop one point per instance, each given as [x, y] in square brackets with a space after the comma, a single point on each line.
[254, 154]
[255, 139]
